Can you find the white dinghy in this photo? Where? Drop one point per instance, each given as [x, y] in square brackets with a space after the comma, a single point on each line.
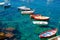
[24, 8]
[40, 22]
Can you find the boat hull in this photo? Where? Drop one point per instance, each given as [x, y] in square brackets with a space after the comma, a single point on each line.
[41, 19]
[27, 12]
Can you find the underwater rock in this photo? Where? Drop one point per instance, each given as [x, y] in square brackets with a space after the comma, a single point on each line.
[2, 35]
[9, 34]
[10, 29]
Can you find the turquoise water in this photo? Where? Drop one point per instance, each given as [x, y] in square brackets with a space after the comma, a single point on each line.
[11, 17]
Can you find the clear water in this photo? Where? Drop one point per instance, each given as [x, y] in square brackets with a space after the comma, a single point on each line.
[11, 17]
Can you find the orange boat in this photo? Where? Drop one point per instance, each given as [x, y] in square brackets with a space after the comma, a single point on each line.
[49, 33]
[39, 17]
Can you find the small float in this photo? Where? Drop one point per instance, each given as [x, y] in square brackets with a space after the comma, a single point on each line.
[24, 8]
[55, 38]
[39, 17]
[40, 22]
[2, 3]
[27, 12]
[49, 33]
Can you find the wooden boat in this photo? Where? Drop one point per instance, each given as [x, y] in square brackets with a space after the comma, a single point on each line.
[2, 3]
[40, 22]
[55, 38]
[39, 17]
[27, 12]
[24, 8]
[49, 33]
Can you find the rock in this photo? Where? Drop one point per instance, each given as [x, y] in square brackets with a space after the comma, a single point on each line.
[2, 35]
[10, 29]
[9, 34]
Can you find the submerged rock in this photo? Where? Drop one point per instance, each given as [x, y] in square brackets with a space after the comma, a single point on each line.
[2, 35]
[9, 34]
[10, 29]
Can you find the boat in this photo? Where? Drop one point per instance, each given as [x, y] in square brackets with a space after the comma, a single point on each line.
[24, 8]
[27, 12]
[55, 38]
[39, 17]
[40, 22]
[49, 33]
[2, 3]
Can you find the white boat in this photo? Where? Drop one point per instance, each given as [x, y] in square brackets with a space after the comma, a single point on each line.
[24, 8]
[40, 22]
[2, 3]
[26, 12]
[55, 38]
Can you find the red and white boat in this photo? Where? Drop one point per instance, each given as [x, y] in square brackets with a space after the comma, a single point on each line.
[49, 33]
[39, 17]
